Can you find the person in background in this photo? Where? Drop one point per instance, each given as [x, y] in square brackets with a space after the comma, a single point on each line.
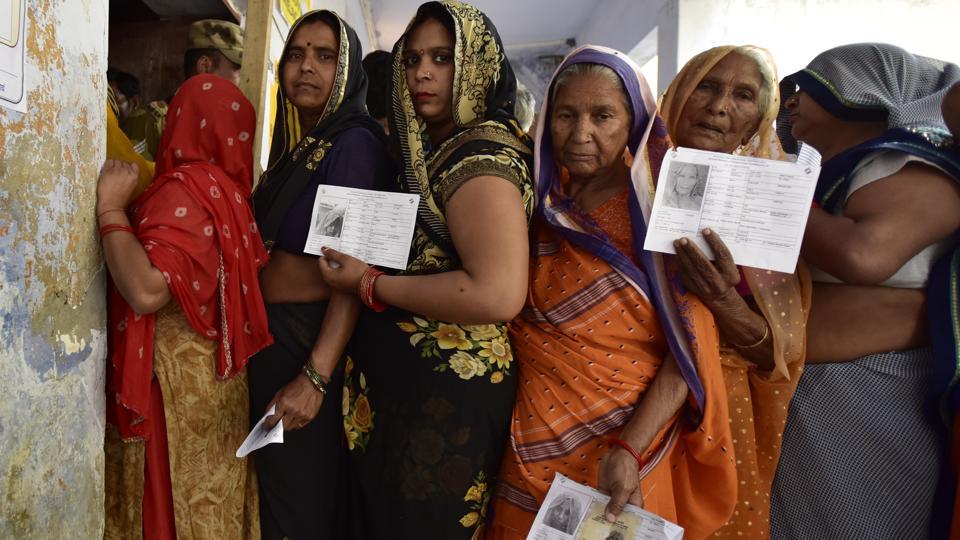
[120, 148]
[431, 379]
[184, 314]
[143, 125]
[214, 46]
[322, 135]
[621, 387]
[526, 108]
[864, 450]
[951, 112]
[377, 65]
[951, 117]
[726, 100]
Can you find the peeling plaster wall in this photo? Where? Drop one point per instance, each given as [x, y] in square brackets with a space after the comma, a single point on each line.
[52, 340]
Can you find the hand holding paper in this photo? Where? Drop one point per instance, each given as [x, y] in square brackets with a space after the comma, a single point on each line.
[260, 437]
[709, 280]
[373, 226]
[758, 206]
[573, 511]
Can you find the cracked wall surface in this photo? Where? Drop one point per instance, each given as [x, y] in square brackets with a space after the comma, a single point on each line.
[52, 302]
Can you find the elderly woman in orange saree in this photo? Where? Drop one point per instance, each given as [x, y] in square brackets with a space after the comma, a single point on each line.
[620, 382]
[726, 100]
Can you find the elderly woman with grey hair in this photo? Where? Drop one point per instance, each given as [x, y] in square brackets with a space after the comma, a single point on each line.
[725, 100]
[613, 392]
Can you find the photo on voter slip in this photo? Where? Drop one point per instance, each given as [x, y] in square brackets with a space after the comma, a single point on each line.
[757, 207]
[684, 186]
[328, 220]
[573, 511]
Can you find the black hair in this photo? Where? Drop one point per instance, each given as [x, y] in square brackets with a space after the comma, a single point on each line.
[436, 11]
[324, 17]
[127, 84]
[191, 57]
[378, 66]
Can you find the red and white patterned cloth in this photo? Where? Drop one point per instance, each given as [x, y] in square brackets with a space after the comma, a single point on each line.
[195, 223]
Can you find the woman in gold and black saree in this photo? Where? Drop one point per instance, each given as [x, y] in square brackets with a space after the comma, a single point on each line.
[430, 387]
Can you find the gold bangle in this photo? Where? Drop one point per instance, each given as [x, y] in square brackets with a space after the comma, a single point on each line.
[316, 378]
[766, 332]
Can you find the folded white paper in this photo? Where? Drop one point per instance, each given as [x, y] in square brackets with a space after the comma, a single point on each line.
[260, 437]
[373, 226]
[573, 511]
[759, 207]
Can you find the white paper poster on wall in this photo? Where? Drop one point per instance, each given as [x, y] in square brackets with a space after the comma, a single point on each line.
[13, 15]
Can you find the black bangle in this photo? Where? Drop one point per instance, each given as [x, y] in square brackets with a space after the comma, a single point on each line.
[319, 381]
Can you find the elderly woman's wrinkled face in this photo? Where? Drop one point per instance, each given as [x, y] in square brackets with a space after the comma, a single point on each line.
[589, 125]
[309, 67]
[723, 111]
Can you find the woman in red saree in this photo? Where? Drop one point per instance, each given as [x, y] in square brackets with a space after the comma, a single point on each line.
[185, 314]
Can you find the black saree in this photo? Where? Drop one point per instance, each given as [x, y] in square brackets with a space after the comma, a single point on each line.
[427, 403]
[303, 482]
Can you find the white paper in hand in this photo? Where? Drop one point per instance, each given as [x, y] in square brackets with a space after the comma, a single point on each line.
[759, 207]
[374, 226]
[573, 511]
[260, 437]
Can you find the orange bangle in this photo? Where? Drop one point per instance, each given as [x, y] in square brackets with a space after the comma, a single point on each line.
[612, 441]
[114, 227]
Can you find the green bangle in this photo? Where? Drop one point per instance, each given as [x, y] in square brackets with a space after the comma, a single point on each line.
[318, 380]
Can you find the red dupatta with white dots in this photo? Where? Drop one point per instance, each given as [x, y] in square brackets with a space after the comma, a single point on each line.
[195, 223]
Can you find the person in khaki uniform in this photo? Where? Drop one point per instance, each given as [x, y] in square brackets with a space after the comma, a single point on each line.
[216, 47]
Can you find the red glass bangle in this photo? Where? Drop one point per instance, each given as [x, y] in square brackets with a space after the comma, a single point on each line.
[611, 442]
[366, 289]
[114, 227]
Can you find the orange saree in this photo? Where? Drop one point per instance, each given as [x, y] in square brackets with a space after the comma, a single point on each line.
[757, 400]
[582, 373]
[600, 318]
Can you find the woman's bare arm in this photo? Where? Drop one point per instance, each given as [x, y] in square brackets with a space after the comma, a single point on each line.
[618, 473]
[884, 225]
[489, 230]
[139, 282]
[488, 226]
[298, 402]
[667, 393]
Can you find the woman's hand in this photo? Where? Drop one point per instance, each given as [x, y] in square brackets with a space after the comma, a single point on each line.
[712, 281]
[715, 283]
[619, 478]
[297, 404]
[340, 271]
[118, 180]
